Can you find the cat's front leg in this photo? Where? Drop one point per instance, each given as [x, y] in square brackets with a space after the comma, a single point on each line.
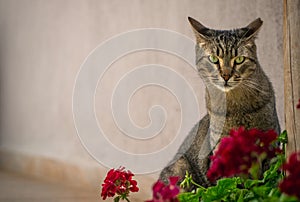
[178, 167]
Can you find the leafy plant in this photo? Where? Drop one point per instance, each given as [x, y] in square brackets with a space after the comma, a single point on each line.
[241, 188]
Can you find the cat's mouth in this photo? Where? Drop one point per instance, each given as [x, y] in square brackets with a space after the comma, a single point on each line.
[226, 84]
[227, 87]
[224, 87]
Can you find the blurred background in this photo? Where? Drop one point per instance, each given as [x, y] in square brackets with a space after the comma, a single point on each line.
[42, 47]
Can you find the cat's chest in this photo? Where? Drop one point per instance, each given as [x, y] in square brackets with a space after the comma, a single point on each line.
[240, 119]
[220, 126]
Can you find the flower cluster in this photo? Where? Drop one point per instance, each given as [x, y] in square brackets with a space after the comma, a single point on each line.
[238, 152]
[165, 193]
[291, 183]
[120, 182]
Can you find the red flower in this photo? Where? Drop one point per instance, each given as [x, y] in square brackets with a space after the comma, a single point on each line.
[118, 182]
[298, 105]
[239, 151]
[165, 193]
[291, 183]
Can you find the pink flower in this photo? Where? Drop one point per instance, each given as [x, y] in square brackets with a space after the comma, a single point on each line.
[240, 150]
[291, 183]
[165, 193]
[118, 182]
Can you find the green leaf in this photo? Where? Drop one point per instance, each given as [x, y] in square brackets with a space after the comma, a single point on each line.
[261, 191]
[250, 183]
[248, 195]
[224, 188]
[117, 199]
[274, 193]
[286, 198]
[273, 175]
[241, 196]
[283, 138]
[191, 196]
[188, 197]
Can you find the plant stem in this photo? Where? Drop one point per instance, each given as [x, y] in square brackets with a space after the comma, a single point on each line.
[194, 183]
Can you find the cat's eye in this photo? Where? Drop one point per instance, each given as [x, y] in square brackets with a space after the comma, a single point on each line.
[213, 59]
[239, 59]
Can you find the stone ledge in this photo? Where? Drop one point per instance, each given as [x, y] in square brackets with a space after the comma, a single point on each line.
[65, 173]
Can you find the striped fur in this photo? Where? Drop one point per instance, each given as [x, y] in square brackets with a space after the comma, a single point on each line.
[237, 94]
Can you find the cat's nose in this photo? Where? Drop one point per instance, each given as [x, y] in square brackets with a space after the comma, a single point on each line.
[225, 73]
[226, 76]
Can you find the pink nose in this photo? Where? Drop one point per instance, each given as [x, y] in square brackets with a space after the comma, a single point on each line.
[225, 76]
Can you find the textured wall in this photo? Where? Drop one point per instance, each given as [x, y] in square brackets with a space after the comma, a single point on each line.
[44, 43]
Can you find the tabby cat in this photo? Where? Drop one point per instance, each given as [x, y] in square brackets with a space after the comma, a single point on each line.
[238, 93]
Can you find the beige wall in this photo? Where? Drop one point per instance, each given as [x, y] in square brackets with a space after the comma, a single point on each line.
[44, 43]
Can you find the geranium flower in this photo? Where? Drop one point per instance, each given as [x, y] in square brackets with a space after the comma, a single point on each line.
[120, 182]
[166, 193]
[291, 183]
[242, 149]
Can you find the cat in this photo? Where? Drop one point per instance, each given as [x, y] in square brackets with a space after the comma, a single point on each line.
[238, 93]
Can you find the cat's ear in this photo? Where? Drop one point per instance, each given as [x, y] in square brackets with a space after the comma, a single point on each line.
[252, 29]
[201, 32]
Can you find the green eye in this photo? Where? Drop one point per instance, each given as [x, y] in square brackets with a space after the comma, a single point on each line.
[213, 59]
[239, 59]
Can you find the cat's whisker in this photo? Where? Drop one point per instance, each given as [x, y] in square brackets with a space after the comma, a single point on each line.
[253, 87]
[253, 83]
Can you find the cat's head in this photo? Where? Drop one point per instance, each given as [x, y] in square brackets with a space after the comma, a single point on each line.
[225, 58]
